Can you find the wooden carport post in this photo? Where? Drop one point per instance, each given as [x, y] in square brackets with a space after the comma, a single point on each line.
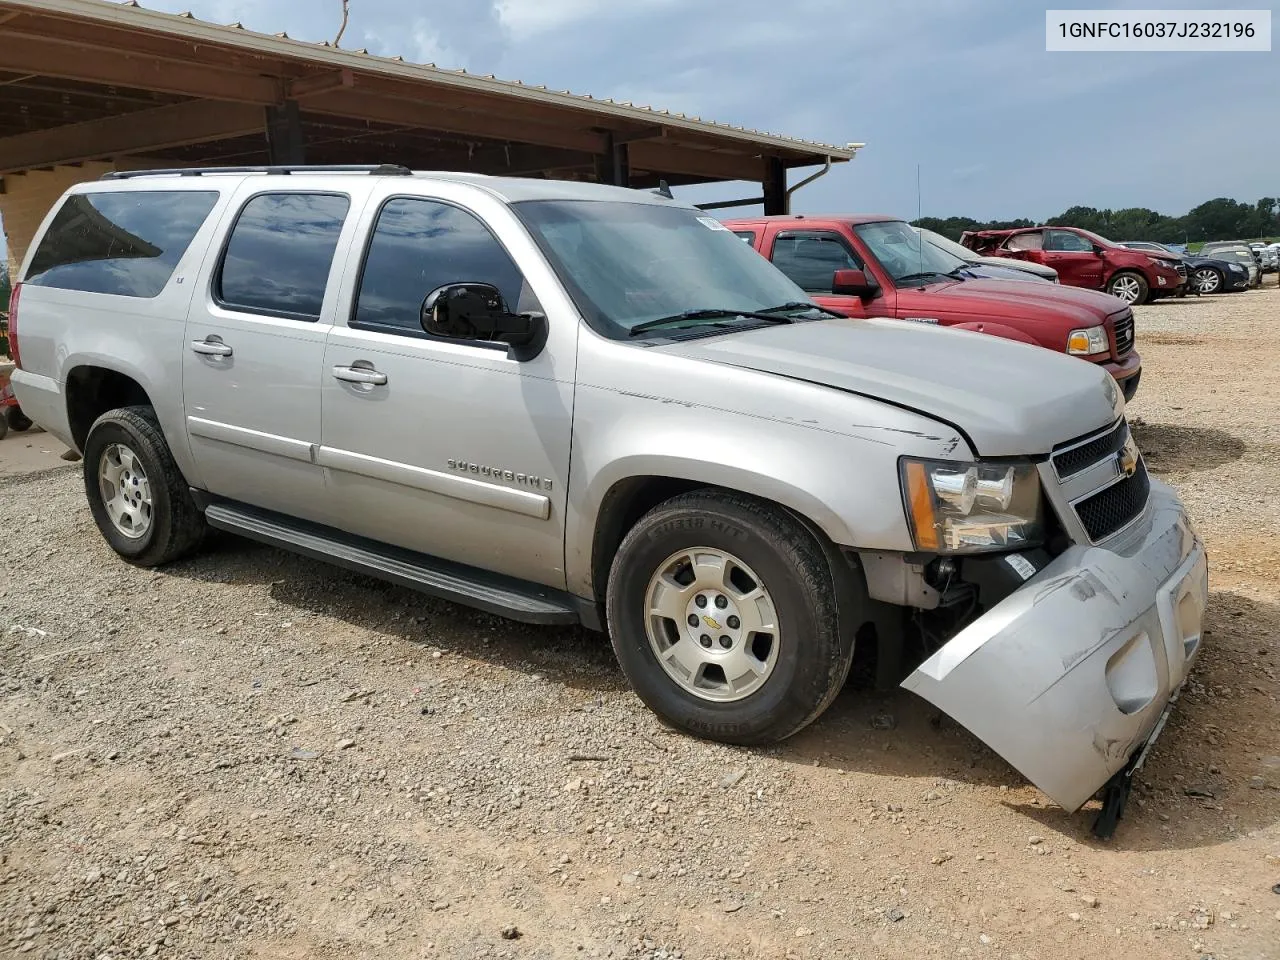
[776, 201]
[285, 142]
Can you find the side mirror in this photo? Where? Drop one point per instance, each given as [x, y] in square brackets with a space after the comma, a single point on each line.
[854, 283]
[476, 311]
[1098, 250]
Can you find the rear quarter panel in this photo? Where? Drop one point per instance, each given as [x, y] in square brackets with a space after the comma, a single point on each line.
[141, 338]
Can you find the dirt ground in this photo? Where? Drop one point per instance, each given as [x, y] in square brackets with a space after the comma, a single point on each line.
[250, 754]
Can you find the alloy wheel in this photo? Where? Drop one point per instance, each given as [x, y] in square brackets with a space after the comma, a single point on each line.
[711, 624]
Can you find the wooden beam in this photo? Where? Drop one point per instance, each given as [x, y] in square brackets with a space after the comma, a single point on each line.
[431, 116]
[320, 83]
[516, 160]
[661, 156]
[641, 133]
[176, 125]
[29, 54]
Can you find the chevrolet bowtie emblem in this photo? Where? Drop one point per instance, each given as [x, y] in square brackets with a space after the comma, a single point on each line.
[711, 622]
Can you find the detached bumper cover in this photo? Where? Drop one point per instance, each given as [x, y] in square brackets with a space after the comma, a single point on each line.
[1069, 676]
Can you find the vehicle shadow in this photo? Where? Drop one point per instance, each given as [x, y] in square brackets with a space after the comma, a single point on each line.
[1175, 449]
[573, 656]
[1215, 741]
[1199, 786]
[1218, 737]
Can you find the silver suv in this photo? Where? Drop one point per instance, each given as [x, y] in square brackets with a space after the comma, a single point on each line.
[568, 403]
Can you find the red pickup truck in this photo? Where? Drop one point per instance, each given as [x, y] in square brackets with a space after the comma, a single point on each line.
[875, 266]
[1084, 259]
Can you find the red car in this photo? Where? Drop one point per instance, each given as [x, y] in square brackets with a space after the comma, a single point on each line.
[1084, 259]
[875, 266]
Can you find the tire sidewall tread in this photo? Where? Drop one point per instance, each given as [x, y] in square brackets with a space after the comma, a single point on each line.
[177, 525]
[814, 657]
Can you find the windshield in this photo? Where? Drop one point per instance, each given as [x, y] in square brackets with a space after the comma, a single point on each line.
[1232, 253]
[901, 252]
[627, 264]
[948, 246]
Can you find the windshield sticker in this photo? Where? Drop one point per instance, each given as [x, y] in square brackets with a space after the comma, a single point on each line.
[711, 223]
[1021, 565]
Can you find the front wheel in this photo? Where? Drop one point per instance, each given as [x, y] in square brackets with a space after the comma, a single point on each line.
[1130, 287]
[723, 615]
[136, 493]
[1207, 280]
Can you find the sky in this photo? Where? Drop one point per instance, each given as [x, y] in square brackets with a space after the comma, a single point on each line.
[963, 90]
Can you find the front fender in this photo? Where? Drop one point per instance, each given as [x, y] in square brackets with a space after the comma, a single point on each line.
[829, 456]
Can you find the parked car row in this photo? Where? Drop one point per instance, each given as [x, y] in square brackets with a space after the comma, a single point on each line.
[879, 266]
[1084, 259]
[567, 403]
[1268, 255]
[1206, 274]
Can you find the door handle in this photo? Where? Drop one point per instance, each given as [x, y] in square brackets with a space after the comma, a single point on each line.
[360, 375]
[211, 348]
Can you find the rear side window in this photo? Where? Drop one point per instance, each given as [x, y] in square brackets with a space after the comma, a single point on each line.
[278, 256]
[746, 236]
[126, 243]
[420, 245]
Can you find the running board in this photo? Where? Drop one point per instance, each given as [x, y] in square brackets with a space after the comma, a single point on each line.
[493, 593]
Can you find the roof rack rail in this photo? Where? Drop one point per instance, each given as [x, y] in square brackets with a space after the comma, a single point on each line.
[373, 169]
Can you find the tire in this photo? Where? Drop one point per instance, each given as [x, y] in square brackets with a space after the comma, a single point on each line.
[1207, 280]
[4, 427]
[1129, 286]
[807, 655]
[17, 420]
[128, 444]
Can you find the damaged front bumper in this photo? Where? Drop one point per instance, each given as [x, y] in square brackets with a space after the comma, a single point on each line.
[1068, 677]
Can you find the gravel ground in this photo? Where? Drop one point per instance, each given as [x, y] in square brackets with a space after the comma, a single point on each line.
[250, 754]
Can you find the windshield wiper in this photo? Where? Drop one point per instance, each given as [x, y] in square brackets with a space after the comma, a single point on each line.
[964, 266]
[923, 276]
[709, 313]
[802, 305]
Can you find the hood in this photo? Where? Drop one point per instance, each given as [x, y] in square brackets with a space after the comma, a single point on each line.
[994, 300]
[1021, 265]
[1008, 398]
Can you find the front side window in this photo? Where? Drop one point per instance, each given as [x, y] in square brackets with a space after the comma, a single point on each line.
[1026, 241]
[1066, 241]
[421, 245]
[811, 259]
[126, 243]
[628, 263]
[278, 256]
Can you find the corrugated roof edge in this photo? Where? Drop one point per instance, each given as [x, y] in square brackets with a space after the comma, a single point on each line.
[281, 45]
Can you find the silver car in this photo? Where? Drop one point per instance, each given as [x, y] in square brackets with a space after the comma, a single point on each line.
[575, 404]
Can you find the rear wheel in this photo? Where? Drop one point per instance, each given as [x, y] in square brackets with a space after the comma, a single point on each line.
[723, 616]
[1130, 287]
[1207, 280]
[136, 493]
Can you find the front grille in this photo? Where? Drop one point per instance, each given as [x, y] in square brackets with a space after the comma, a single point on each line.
[1115, 507]
[1074, 459]
[1124, 333]
[1182, 271]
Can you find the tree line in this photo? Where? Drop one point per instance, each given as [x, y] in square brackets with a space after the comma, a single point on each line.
[1218, 219]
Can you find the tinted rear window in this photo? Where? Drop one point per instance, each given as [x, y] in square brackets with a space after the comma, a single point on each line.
[125, 243]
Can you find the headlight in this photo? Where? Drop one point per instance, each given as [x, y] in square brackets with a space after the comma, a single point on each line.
[971, 507]
[1091, 340]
